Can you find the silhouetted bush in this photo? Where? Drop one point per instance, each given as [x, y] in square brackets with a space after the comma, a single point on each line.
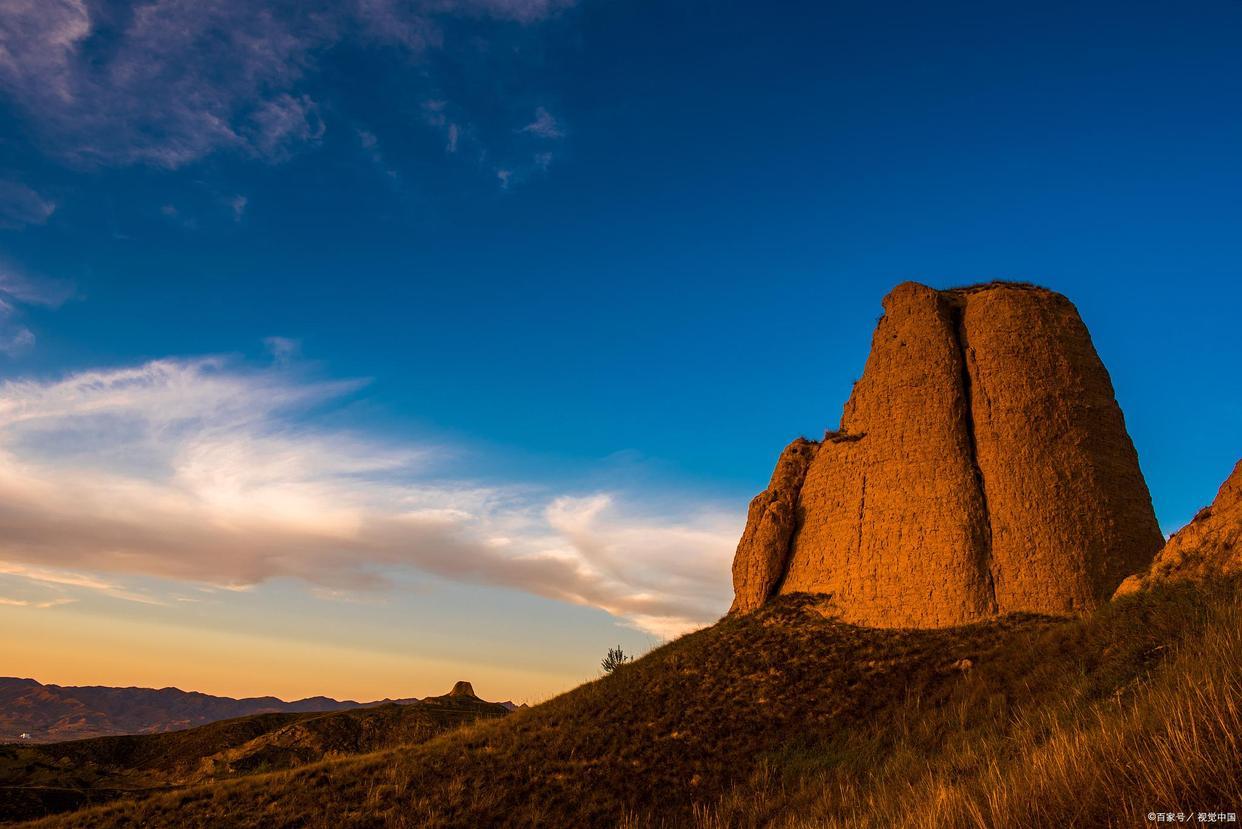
[615, 659]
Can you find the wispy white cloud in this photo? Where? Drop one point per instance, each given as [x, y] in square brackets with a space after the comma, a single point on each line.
[180, 80]
[168, 82]
[283, 122]
[17, 287]
[283, 349]
[65, 579]
[542, 132]
[39, 40]
[371, 146]
[17, 290]
[15, 338]
[44, 605]
[20, 206]
[438, 114]
[201, 471]
[544, 125]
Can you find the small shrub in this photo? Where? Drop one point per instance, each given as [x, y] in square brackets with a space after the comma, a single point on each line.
[615, 659]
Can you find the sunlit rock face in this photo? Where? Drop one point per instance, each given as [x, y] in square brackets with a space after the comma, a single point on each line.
[982, 466]
[763, 552]
[1210, 546]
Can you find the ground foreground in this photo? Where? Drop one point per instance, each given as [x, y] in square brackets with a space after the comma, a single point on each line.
[61, 777]
[788, 718]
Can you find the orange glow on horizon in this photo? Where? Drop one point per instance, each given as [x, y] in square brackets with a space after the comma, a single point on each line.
[63, 647]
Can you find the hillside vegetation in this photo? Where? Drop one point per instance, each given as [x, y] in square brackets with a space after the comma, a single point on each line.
[787, 717]
[39, 780]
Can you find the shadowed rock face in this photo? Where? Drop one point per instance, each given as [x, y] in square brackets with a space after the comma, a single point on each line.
[982, 466]
[1209, 546]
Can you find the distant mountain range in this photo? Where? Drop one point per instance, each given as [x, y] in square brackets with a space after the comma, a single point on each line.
[44, 779]
[31, 712]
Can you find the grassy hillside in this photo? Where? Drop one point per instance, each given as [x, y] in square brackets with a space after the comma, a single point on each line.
[38, 780]
[1152, 725]
[786, 712]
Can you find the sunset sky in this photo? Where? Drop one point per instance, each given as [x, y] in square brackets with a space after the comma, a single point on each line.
[354, 348]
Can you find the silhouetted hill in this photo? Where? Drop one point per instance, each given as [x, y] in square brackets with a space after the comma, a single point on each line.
[53, 713]
[789, 717]
[37, 780]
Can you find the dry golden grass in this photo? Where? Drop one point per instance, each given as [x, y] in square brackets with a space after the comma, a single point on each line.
[1168, 742]
[786, 718]
[55, 777]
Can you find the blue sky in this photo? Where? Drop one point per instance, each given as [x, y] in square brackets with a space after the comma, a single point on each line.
[566, 274]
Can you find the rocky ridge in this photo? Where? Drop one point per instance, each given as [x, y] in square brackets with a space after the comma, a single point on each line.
[1210, 546]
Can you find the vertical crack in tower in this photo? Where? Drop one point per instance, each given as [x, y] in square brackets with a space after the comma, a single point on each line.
[996, 476]
[957, 316]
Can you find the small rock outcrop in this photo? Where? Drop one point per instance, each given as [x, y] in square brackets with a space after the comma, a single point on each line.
[463, 698]
[462, 688]
[981, 466]
[1208, 547]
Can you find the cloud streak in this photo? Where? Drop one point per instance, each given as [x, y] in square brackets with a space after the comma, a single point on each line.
[205, 472]
[17, 290]
[20, 206]
[169, 82]
[544, 125]
[10, 602]
[163, 83]
[61, 579]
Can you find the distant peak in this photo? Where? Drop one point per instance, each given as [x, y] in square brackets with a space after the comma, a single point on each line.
[462, 689]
